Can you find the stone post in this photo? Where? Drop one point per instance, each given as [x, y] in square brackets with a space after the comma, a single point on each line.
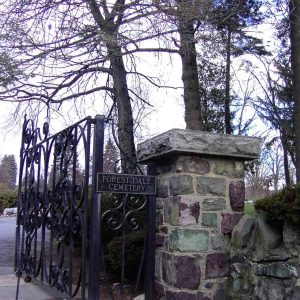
[200, 197]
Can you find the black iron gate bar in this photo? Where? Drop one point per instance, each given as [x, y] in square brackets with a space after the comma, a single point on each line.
[53, 210]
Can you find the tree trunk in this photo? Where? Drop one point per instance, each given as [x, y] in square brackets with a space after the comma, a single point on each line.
[109, 31]
[191, 94]
[295, 60]
[285, 160]
[228, 128]
[275, 183]
[123, 103]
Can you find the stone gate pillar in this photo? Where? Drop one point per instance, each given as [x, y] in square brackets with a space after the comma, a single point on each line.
[200, 197]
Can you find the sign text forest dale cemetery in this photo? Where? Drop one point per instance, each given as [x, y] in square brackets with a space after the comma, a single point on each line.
[126, 184]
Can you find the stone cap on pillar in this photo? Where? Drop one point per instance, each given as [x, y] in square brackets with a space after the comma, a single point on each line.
[185, 141]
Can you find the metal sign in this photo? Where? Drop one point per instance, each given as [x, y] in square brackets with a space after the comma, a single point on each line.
[126, 184]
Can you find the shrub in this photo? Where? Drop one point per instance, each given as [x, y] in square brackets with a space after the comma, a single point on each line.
[281, 206]
[134, 242]
[112, 239]
[7, 198]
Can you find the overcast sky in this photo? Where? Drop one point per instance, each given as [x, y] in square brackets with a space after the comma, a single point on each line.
[167, 111]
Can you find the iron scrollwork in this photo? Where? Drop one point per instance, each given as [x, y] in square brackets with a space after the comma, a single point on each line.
[52, 207]
[125, 231]
[122, 211]
[60, 214]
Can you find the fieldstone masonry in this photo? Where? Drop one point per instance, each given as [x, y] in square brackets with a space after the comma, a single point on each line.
[201, 195]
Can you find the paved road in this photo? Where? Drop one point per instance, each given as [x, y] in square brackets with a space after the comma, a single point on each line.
[7, 228]
[7, 241]
[8, 281]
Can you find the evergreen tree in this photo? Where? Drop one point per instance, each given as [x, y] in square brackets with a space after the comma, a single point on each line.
[8, 171]
[277, 106]
[53, 176]
[110, 157]
[231, 18]
[294, 14]
[8, 69]
[212, 90]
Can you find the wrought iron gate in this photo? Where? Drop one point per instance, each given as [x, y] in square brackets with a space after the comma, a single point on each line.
[84, 241]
